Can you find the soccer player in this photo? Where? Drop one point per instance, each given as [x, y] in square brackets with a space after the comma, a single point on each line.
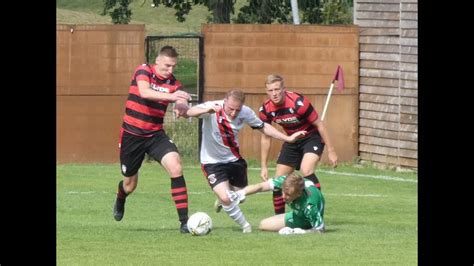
[152, 88]
[293, 112]
[306, 201]
[221, 162]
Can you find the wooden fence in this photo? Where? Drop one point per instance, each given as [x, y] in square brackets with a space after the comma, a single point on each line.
[94, 66]
[307, 56]
[388, 131]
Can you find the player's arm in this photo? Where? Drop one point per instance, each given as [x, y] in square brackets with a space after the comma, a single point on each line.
[325, 136]
[269, 130]
[201, 109]
[265, 144]
[146, 92]
[259, 187]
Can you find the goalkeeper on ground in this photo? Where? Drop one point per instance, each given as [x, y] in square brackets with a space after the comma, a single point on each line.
[306, 201]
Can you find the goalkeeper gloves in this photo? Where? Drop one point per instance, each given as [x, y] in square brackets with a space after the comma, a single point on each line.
[291, 231]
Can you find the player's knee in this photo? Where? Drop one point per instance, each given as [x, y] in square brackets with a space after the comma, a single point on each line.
[263, 225]
[129, 185]
[225, 200]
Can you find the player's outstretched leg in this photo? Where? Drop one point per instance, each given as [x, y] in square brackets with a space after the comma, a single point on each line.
[179, 193]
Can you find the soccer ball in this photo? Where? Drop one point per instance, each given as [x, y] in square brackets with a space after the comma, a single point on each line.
[199, 224]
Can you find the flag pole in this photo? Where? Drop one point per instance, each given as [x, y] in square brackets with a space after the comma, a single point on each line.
[327, 101]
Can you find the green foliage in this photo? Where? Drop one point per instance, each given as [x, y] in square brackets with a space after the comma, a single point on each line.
[255, 11]
[120, 13]
[336, 12]
[311, 11]
[220, 9]
[265, 12]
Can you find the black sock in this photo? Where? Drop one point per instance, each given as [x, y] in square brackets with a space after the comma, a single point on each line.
[179, 193]
[278, 202]
[315, 180]
[121, 194]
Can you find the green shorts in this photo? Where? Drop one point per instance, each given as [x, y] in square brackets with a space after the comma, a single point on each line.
[296, 221]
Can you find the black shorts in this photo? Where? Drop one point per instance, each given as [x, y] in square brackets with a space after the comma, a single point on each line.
[234, 172]
[133, 149]
[292, 153]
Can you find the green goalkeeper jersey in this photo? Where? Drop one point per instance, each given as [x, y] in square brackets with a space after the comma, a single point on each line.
[309, 206]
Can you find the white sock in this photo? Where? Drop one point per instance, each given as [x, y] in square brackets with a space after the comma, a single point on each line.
[234, 212]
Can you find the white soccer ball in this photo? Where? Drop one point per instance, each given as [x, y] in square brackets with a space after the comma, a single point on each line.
[199, 224]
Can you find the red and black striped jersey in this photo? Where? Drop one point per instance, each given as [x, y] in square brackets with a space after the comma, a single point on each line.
[295, 114]
[144, 117]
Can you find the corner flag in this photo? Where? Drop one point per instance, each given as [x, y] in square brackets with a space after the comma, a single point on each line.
[339, 76]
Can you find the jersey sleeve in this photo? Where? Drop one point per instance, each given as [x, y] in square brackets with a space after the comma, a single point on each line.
[143, 72]
[277, 182]
[305, 109]
[262, 114]
[251, 118]
[205, 105]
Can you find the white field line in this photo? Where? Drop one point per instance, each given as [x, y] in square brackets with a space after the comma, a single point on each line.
[209, 192]
[383, 177]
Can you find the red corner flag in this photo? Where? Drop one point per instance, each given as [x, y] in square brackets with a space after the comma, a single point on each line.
[340, 78]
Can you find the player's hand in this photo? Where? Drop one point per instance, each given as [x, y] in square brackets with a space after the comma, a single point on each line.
[286, 231]
[297, 135]
[264, 173]
[180, 110]
[291, 231]
[333, 158]
[215, 109]
[180, 95]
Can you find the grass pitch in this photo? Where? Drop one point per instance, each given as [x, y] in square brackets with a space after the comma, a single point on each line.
[370, 216]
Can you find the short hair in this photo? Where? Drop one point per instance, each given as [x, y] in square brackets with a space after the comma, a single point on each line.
[293, 184]
[236, 94]
[275, 78]
[168, 51]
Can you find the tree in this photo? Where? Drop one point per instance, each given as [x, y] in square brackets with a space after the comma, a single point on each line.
[220, 9]
[311, 11]
[120, 14]
[255, 11]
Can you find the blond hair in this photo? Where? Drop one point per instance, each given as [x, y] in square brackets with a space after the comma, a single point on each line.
[293, 185]
[275, 78]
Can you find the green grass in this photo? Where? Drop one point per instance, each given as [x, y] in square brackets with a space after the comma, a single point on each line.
[158, 21]
[369, 221]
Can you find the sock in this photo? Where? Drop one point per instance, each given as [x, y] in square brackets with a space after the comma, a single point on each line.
[121, 194]
[179, 193]
[234, 212]
[315, 180]
[278, 202]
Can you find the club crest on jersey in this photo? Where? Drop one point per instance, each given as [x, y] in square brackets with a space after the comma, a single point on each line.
[291, 110]
[300, 103]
